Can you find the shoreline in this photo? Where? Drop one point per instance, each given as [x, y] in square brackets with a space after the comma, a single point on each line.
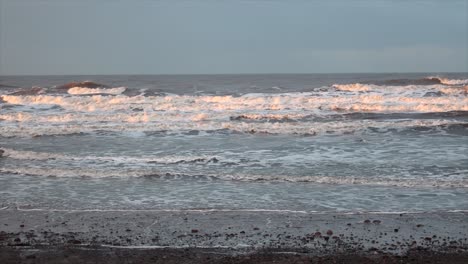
[190, 236]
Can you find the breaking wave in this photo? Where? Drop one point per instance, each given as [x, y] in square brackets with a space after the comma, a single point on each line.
[407, 90]
[88, 91]
[323, 111]
[450, 81]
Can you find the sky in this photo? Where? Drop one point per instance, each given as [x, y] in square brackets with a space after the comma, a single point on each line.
[55, 37]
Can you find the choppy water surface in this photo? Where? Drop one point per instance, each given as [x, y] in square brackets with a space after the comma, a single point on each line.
[346, 142]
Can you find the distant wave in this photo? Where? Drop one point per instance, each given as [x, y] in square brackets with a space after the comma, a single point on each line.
[31, 91]
[84, 84]
[431, 80]
[405, 82]
[449, 81]
[407, 90]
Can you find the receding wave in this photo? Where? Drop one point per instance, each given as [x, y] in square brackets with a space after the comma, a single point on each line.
[154, 173]
[43, 156]
[288, 128]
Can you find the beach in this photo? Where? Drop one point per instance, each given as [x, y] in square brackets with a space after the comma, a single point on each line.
[213, 236]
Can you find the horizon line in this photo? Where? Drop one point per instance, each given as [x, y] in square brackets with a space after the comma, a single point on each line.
[200, 74]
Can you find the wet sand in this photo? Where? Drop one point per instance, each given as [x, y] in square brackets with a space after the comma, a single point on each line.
[35, 236]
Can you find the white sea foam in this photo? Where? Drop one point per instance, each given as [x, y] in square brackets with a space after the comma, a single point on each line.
[355, 87]
[87, 91]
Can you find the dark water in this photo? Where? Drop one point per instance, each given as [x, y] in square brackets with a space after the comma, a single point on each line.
[321, 142]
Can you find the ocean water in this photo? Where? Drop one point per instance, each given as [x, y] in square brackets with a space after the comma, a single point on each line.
[309, 142]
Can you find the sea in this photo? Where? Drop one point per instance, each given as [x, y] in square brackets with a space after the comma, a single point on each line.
[277, 142]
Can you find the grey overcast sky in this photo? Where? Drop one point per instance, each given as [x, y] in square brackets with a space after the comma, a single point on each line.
[227, 36]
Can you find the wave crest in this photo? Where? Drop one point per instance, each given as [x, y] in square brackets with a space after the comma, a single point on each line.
[450, 81]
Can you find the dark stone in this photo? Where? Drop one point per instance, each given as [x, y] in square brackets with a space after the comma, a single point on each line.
[367, 221]
[376, 222]
[214, 160]
[434, 94]
[1, 152]
[329, 232]
[194, 230]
